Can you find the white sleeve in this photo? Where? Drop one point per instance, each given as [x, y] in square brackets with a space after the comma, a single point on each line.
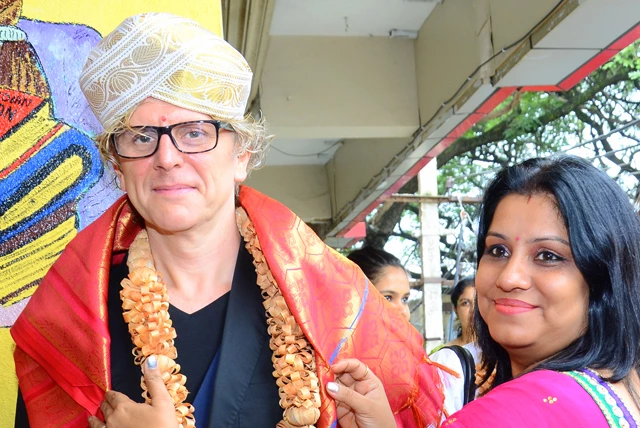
[475, 350]
[453, 386]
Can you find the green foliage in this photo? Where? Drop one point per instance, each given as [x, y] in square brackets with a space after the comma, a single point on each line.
[526, 134]
[538, 124]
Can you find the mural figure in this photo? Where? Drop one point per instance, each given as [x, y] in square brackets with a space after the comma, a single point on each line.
[46, 167]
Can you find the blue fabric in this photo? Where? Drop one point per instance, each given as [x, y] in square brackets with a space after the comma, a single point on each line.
[204, 397]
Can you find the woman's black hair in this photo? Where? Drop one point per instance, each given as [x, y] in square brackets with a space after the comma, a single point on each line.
[372, 261]
[459, 288]
[604, 234]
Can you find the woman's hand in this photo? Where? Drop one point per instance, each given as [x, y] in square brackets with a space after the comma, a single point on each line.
[360, 397]
[121, 412]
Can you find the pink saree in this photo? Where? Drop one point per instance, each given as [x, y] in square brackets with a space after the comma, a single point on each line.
[543, 399]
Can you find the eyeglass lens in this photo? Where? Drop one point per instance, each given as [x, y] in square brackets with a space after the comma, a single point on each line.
[190, 137]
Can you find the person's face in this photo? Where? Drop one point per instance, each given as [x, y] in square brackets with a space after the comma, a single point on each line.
[174, 191]
[393, 284]
[465, 306]
[530, 292]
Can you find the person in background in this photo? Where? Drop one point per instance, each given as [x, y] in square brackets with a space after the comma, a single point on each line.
[462, 300]
[231, 304]
[558, 306]
[387, 274]
[463, 297]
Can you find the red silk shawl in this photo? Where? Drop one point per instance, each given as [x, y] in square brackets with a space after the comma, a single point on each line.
[62, 353]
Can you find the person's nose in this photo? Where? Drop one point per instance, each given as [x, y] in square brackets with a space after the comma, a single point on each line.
[514, 275]
[167, 156]
[405, 311]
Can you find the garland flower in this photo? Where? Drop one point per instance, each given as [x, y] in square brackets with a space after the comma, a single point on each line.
[145, 303]
[293, 357]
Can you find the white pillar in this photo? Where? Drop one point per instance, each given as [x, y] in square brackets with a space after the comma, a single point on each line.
[430, 247]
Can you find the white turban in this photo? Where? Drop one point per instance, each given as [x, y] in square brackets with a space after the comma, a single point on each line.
[170, 58]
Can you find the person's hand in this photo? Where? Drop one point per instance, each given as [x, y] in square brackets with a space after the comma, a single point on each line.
[360, 398]
[121, 412]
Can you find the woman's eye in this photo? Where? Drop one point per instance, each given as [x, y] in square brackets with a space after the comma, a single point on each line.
[497, 251]
[388, 298]
[405, 300]
[548, 256]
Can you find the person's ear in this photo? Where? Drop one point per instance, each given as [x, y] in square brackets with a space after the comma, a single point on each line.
[119, 178]
[242, 163]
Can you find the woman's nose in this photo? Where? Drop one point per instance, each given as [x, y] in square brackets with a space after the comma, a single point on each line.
[403, 309]
[514, 275]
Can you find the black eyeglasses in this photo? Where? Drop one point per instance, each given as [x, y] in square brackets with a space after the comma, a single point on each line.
[198, 136]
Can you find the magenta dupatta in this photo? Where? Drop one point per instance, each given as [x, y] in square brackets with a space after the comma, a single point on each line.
[539, 399]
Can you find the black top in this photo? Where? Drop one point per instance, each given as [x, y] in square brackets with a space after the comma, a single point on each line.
[198, 338]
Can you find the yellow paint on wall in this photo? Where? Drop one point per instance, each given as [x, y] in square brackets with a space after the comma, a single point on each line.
[61, 178]
[104, 16]
[8, 379]
[25, 136]
[30, 262]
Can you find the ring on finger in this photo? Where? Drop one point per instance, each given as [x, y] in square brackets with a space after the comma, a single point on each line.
[366, 372]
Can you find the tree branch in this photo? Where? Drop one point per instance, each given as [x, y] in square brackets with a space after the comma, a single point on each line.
[577, 98]
[405, 235]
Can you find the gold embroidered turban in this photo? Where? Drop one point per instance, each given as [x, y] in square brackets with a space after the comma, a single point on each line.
[170, 58]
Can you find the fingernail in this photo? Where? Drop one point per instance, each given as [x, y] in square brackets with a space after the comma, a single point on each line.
[152, 362]
[333, 387]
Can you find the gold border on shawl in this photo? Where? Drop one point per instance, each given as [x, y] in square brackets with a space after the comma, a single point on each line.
[114, 237]
[298, 359]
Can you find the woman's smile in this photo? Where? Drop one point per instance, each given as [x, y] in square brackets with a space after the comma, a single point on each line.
[512, 306]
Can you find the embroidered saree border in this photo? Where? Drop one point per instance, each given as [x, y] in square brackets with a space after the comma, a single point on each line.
[608, 403]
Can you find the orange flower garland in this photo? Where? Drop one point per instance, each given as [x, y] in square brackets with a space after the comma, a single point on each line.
[483, 388]
[146, 309]
[145, 303]
[293, 358]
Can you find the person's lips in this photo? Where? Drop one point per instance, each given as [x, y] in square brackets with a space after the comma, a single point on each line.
[171, 189]
[512, 306]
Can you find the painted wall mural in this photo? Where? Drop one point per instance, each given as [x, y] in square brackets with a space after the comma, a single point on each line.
[52, 182]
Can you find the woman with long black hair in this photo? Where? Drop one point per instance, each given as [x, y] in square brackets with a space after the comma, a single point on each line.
[558, 305]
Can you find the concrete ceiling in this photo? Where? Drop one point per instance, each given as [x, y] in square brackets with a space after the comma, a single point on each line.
[348, 17]
[357, 113]
[285, 151]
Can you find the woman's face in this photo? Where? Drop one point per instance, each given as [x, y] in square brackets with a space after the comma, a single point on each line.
[174, 191]
[465, 306]
[393, 284]
[530, 292]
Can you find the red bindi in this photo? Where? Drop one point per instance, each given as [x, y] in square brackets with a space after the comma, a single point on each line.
[517, 238]
[163, 119]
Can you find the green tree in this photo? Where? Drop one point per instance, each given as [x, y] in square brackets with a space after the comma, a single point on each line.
[525, 125]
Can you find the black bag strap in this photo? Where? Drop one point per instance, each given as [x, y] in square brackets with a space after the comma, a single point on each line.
[468, 372]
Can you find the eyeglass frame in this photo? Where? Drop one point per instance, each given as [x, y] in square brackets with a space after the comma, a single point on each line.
[166, 130]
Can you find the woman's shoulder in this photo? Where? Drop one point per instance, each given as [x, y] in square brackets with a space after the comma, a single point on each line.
[540, 398]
